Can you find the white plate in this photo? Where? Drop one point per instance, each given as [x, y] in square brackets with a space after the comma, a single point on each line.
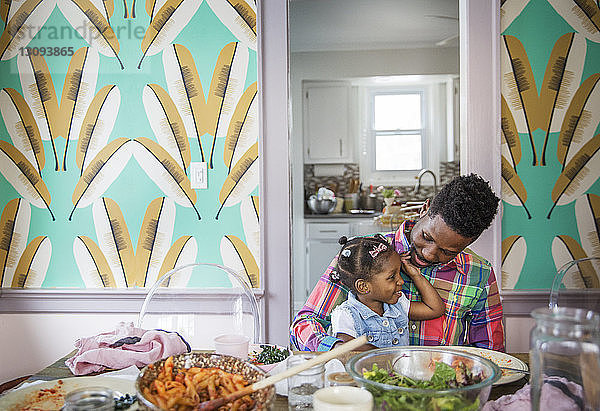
[255, 349]
[500, 359]
[28, 396]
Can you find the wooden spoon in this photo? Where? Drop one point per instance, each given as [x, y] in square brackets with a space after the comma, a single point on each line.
[319, 359]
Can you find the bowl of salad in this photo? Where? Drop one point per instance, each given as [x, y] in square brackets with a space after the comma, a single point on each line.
[424, 378]
[267, 356]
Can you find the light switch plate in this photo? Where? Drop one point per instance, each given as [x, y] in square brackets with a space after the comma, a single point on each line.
[199, 175]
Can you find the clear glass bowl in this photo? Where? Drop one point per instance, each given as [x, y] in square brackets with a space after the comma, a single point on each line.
[419, 363]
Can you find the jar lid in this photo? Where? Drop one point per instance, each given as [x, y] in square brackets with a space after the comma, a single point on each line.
[340, 378]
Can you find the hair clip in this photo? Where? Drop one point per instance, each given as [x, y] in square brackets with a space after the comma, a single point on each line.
[346, 253]
[377, 249]
[334, 276]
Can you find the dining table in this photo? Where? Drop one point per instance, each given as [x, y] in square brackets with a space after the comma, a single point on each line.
[58, 370]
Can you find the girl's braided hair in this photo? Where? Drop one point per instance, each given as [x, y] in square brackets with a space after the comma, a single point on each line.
[360, 258]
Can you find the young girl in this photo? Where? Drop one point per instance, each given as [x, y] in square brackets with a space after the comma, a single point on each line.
[370, 268]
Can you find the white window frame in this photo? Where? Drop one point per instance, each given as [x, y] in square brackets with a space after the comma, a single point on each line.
[435, 116]
[371, 133]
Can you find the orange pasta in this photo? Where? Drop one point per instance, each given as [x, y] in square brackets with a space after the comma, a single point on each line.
[184, 389]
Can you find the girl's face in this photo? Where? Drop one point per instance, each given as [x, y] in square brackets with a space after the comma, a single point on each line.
[386, 285]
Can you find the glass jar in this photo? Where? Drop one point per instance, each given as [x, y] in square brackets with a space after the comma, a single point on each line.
[303, 385]
[90, 398]
[336, 379]
[565, 355]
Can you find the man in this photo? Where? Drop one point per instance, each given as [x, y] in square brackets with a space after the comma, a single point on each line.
[456, 217]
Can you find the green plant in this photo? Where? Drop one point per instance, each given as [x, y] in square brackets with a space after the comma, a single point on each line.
[386, 192]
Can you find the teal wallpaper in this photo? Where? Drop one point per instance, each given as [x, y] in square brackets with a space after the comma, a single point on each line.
[550, 140]
[105, 107]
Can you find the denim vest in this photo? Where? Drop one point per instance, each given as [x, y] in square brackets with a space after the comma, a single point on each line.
[390, 330]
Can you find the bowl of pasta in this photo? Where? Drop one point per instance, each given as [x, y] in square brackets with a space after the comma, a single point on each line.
[183, 381]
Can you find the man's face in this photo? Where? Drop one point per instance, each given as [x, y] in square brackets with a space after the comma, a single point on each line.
[433, 242]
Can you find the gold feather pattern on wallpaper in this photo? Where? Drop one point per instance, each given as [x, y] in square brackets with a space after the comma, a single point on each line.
[241, 181]
[78, 91]
[167, 124]
[519, 89]
[582, 15]
[22, 128]
[185, 89]
[511, 143]
[6, 6]
[513, 190]
[561, 80]
[106, 8]
[38, 91]
[21, 174]
[236, 255]
[152, 6]
[101, 173]
[182, 252]
[251, 225]
[565, 249]
[581, 119]
[92, 26]
[154, 241]
[92, 264]
[114, 253]
[578, 175]
[97, 125]
[514, 251]
[14, 229]
[226, 87]
[165, 172]
[114, 240]
[587, 214]
[509, 11]
[243, 128]
[168, 22]
[24, 26]
[33, 264]
[239, 17]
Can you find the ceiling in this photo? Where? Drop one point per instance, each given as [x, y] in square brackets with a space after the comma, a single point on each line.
[319, 25]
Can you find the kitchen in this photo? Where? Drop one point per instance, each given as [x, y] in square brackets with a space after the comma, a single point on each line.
[336, 69]
[477, 68]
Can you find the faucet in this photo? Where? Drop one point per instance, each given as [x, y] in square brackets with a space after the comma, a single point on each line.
[420, 176]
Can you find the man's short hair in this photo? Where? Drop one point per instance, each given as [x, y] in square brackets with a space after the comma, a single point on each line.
[467, 204]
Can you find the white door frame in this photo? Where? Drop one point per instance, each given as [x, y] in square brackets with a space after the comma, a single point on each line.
[480, 131]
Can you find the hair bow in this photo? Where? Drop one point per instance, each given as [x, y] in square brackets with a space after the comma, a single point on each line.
[377, 249]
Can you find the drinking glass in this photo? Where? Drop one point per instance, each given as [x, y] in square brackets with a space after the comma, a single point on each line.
[232, 344]
[565, 353]
[303, 385]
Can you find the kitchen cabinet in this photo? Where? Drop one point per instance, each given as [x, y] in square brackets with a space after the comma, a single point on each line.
[328, 135]
[322, 245]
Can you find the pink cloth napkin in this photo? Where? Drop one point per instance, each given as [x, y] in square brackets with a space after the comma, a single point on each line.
[123, 347]
[552, 398]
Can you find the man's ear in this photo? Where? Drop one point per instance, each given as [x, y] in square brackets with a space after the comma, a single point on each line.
[361, 286]
[424, 209]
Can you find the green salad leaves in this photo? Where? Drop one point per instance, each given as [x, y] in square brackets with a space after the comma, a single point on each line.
[270, 354]
[444, 377]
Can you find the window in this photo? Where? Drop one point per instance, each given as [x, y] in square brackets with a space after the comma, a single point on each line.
[407, 123]
[396, 133]
[397, 130]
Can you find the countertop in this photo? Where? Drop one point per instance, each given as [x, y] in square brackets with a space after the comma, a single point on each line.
[308, 216]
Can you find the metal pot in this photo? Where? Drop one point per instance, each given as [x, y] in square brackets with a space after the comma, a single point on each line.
[322, 206]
